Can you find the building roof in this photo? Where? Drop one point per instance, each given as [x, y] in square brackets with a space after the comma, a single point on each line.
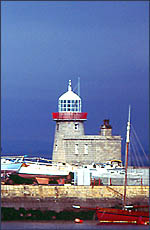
[69, 95]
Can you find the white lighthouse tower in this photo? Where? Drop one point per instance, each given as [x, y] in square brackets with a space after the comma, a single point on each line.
[69, 122]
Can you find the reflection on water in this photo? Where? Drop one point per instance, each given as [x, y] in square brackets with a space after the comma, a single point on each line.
[65, 225]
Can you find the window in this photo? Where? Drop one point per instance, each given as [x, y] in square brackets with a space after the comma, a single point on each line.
[69, 105]
[76, 149]
[85, 149]
[57, 127]
[76, 126]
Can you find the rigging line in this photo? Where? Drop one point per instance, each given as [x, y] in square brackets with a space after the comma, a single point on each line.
[135, 143]
[76, 87]
[138, 154]
[139, 142]
[142, 156]
[136, 151]
[135, 158]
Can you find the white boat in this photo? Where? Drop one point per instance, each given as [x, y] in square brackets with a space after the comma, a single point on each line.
[43, 172]
[111, 172]
[39, 169]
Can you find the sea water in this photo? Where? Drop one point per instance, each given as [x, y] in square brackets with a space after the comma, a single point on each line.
[65, 225]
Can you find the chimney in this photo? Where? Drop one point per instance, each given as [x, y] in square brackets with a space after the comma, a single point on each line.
[106, 129]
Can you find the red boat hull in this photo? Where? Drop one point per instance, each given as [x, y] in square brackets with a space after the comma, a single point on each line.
[32, 176]
[124, 216]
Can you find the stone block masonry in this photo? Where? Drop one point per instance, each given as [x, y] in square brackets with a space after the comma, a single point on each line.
[90, 148]
[98, 149]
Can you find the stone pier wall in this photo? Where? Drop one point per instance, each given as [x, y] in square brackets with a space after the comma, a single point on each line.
[60, 198]
[44, 191]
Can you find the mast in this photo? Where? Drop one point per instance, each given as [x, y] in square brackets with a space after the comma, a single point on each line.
[79, 86]
[126, 157]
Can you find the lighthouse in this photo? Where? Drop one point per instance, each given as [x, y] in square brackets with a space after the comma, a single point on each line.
[69, 122]
[71, 144]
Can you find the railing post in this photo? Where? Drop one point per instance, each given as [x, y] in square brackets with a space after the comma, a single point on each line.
[110, 181]
[94, 181]
[91, 181]
[99, 182]
[141, 181]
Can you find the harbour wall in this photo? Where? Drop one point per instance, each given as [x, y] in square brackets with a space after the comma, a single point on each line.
[60, 198]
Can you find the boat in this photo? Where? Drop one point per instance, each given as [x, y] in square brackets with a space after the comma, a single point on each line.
[126, 214]
[44, 172]
[34, 170]
[110, 173]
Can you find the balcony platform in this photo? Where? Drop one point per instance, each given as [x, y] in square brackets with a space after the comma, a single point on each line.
[69, 116]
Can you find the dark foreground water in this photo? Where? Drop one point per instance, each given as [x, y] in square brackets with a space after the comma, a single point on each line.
[65, 225]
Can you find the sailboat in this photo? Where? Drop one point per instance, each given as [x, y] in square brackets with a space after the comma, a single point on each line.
[126, 214]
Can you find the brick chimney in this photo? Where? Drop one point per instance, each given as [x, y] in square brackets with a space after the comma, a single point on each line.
[106, 129]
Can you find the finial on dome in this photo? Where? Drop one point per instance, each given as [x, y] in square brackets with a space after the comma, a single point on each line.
[69, 86]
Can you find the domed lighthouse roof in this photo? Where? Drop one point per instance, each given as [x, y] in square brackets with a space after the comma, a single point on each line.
[69, 101]
[69, 95]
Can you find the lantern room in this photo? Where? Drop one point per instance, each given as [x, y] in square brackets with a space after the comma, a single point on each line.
[69, 101]
[69, 106]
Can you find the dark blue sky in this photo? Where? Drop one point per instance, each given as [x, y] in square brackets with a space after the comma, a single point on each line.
[44, 44]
